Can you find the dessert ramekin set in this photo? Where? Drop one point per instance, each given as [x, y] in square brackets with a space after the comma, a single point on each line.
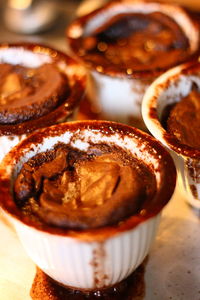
[93, 259]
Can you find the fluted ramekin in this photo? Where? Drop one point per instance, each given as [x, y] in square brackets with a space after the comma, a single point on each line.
[118, 94]
[32, 56]
[94, 258]
[170, 88]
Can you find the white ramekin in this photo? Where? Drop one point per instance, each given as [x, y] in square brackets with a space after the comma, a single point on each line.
[96, 258]
[32, 56]
[170, 88]
[115, 94]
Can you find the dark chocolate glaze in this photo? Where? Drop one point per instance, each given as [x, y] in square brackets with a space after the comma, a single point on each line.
[133, 44]
[70, 188]
[148, 209]
[70, 92]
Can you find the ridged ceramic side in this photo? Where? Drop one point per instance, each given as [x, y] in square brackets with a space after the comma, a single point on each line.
[88, 265]
[117, 99]
[8, 142]
[90, 259]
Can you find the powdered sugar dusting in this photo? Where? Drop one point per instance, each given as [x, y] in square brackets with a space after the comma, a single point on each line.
[174, 12]
[81, 139]
[21, 56]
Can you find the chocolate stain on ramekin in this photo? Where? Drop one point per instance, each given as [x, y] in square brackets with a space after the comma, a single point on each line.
[193, 190]
[193, 167]
[98, 265]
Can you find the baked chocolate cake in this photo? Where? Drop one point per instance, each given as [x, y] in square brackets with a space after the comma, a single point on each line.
[134, 41]
[27, 93]
[39, 86]
[183, 120]
[70, 188]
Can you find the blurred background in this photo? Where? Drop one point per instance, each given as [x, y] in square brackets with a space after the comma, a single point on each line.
[42, 21]
[45, 21]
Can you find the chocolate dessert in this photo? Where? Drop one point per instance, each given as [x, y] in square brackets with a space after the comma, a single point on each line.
[70, 188]
[134, 42]
[183, 120]
[27, 93]
[86, 197]
[39, 87]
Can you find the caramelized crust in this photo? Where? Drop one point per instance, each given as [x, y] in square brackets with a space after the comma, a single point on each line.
[135, 42]
[69, 188]
[27, 93]
[184, 120]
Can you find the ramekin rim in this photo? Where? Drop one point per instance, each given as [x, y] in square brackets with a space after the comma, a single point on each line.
[149, 109]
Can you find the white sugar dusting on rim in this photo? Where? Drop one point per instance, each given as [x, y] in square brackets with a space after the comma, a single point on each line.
[81, 139]
[21, 56]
